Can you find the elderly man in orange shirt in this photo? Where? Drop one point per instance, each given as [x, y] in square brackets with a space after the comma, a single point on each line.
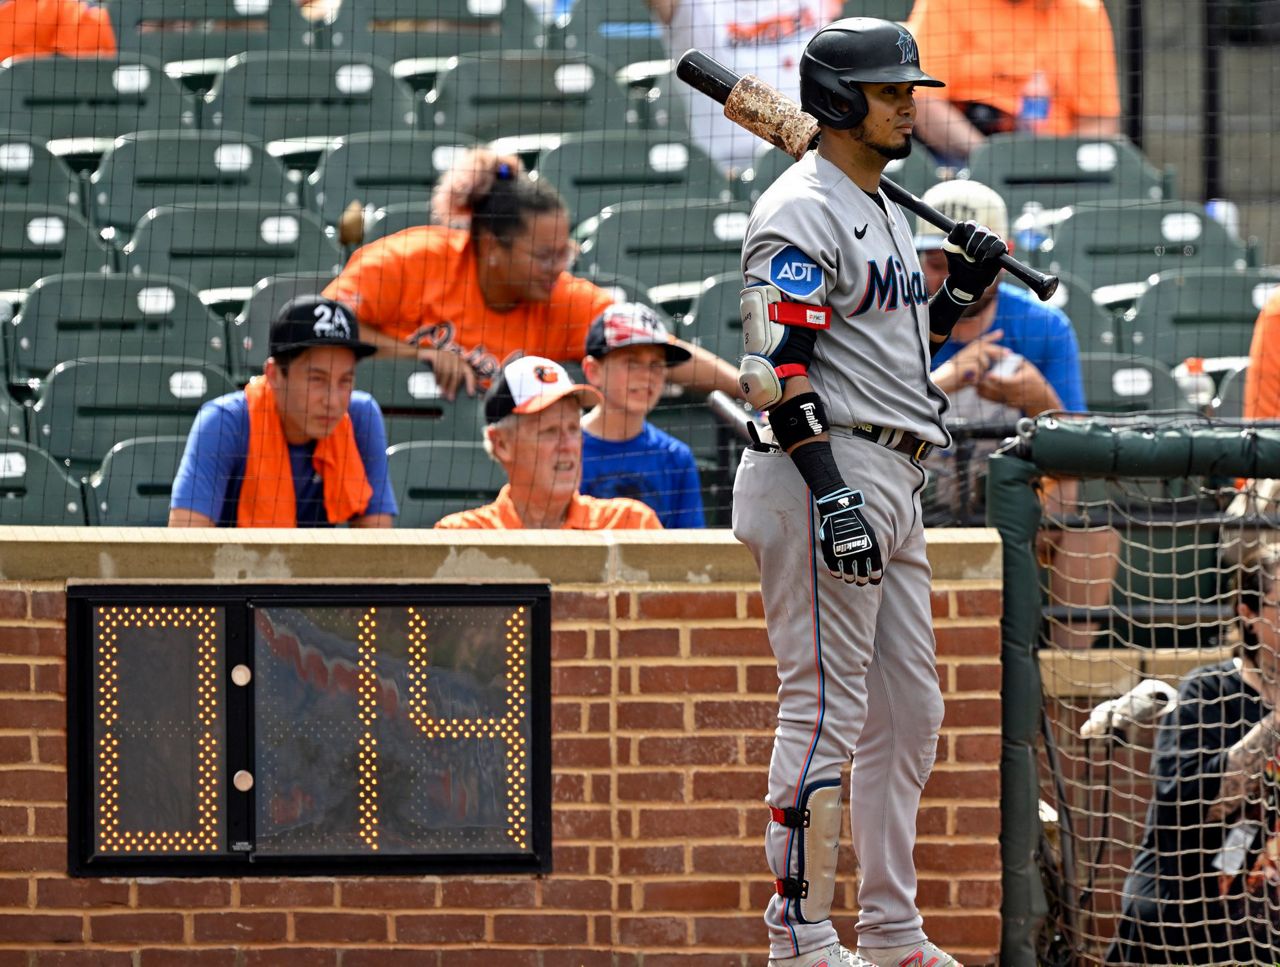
[534, 416]
[1043, 66]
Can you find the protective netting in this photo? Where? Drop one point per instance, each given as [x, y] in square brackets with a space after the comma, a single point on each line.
[1158, 845]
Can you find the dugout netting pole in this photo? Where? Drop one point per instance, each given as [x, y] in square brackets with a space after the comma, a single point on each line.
[1140, 447]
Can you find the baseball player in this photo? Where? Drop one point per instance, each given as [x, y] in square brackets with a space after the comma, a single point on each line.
[839, 331]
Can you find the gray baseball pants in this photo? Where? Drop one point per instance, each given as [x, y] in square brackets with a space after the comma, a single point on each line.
[858, 680]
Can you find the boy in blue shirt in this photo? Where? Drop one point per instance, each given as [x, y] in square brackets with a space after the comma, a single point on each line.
[628, 353]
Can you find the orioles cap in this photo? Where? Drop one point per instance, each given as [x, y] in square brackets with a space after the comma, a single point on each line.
[529, 385]
[632, 324]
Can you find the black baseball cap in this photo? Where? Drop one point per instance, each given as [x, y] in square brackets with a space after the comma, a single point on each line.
[632, 324]
[530, 384]
[312, 320]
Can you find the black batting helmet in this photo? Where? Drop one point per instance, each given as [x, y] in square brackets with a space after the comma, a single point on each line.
[853, 51]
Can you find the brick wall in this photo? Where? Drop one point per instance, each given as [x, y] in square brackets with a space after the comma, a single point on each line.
[663, 709]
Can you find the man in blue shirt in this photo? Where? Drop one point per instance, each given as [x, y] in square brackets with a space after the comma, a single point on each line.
[298, 447]
[628, 352]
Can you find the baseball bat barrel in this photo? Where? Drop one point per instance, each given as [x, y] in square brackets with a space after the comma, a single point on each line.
[706, 74]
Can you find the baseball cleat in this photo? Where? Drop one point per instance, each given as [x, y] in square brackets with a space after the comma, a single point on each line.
[912, 955]
[832, 955]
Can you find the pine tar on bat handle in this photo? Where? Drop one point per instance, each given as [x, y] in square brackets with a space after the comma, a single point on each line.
[771, 115]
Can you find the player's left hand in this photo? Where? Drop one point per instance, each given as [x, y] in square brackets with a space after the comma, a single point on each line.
[849, 544]
[973, 253]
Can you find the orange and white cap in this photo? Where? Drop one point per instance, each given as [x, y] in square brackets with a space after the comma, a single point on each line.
[531, 384]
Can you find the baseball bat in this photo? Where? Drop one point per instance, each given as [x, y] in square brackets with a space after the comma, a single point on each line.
[769, 114]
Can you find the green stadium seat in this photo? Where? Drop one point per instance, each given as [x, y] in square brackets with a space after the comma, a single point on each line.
[917, 172]
[619, 32]
[395, 218]
[1198, 312]
[40, 240]
[417, 38]
[34, 490]
[412, 408]
[31, 174]
[1229, 404]
[87, 406]
[1130, 241]
[592, 171]
[150, 168]
[81, 104]
[1097, 329]
[434, 478]
[302, 100]
[250, 331]
[134, 483]
[381, 168]
[715, 322]
[223, 250]
[661, 243]
[195, 37]
[898, 10]
[1115, 383]
[506, 93]
[1053, 172]
[81, 315]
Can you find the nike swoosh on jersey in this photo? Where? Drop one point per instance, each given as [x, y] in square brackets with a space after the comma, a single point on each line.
[861, 232]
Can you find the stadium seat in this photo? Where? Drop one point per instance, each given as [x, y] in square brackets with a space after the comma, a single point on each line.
[1129, 241]
[195, 37]
[87, 406]
[34, 490]
[660, 243]
[223, 250]
[412, 408]
[1115, 383]
[134, 483]
[917, 173]
[898, 10]
[303, 100]
[434, 478]
[381, 168]
[80, 315]
[31, 174]
[81, 104]
[715, 321]
[1097, 329]
[150, 168]
[1229, 404]
[416, 38]
[1197, 312]
[619, 32]
[493, 95]
[395, 218]
[1053, 172]
[249, 332]
[594, 170]
[40, 240]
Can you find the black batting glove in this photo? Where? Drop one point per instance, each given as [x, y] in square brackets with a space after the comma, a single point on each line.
[973, 253]
[849, 544]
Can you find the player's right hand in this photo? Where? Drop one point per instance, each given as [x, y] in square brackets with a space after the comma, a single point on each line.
[973, 253]
[849, 544]
[451, 371]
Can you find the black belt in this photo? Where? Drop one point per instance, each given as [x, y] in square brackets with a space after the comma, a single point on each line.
[907, 443]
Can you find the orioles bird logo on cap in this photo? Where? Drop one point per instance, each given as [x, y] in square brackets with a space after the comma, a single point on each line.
[545, 374]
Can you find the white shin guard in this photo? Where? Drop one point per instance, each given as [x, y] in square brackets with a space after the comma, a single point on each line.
[817, 843]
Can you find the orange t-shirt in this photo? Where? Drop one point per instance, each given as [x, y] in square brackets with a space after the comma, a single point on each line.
[1262, 379]
[421, 285]
[35, 28]
[585, 514]
[990, 51]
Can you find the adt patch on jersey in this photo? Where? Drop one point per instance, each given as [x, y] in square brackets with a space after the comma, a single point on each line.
[795, 273]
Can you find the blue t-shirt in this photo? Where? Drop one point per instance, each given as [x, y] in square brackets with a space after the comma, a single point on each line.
[1042, 335]
[653, 467]
[212, 467]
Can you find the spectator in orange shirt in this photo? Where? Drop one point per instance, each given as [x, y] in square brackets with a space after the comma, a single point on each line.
[534, 416]
[1262, 378]
[42, 28]
[1044, 66]
[487, 280]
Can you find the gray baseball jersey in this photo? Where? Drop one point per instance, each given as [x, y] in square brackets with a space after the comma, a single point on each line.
[822, 240]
